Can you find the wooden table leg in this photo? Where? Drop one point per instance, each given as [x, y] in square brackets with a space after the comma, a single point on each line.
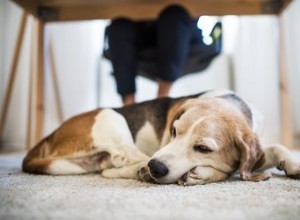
[39, 116]
[286, 118]
[13, 71]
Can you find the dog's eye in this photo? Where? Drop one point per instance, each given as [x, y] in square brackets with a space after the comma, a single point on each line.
[173, 132]
[202, 149]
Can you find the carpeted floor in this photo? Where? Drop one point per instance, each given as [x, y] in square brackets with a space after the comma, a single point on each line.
[24, 196]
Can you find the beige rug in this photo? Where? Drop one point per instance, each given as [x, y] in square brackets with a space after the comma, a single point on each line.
[24, 196]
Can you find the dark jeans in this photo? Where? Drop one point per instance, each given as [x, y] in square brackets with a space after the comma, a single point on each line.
[172, 33]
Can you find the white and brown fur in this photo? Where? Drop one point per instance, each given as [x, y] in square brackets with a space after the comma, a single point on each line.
[189, 140]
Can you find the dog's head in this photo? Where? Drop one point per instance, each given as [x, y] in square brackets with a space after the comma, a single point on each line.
[209, 134]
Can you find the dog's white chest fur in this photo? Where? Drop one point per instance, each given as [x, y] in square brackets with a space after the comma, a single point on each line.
[146, 139]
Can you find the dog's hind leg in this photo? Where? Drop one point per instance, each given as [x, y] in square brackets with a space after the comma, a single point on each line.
[68, 165]
[281, 157]
[40, 160]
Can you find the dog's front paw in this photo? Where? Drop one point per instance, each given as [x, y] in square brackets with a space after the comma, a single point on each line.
[191, 178]
[291, 168]
[202, 175]
[119, 160]
[144, 175]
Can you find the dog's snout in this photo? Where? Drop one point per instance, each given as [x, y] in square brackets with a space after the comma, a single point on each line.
[157, 168]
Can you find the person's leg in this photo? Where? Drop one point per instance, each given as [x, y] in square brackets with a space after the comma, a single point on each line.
[173, 36]
[123, 43]
[128, 99]
[164, 88]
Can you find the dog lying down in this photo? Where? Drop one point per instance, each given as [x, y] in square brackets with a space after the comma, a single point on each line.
[190, 140]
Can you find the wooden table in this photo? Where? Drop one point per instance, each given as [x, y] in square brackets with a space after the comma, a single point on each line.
[71, 10]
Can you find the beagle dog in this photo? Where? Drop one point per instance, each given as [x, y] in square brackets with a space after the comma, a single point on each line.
[189, 140]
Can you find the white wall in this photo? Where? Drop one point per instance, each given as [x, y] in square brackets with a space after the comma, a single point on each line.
[1, 46]
[251, 45]
[292, 36]
[76, 47]
[256, 73]
[14, 134]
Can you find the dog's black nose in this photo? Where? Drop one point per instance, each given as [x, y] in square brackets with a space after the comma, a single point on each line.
[157, 168]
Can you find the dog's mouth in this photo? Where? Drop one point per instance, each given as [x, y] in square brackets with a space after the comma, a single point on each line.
[164, 180]
[169, 179]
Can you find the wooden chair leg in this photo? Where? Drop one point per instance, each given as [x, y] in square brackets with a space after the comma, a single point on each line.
[55, 83]
[31, 90]
[29, 113]
[286, 119]
[39, 116]
[13, 71]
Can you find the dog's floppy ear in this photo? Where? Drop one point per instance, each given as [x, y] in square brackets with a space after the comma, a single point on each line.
[252, 156]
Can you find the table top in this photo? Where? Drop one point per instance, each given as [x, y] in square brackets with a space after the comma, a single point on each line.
[71, 10]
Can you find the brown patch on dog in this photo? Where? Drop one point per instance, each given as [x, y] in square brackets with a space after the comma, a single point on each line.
[36, 160]
[74, 135]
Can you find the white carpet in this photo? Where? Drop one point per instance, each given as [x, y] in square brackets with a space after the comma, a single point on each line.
[24, 196]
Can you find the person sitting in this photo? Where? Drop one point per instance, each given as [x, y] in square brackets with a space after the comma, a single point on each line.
[173, 34]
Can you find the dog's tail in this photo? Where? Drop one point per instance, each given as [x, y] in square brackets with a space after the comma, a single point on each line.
[36, 160]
